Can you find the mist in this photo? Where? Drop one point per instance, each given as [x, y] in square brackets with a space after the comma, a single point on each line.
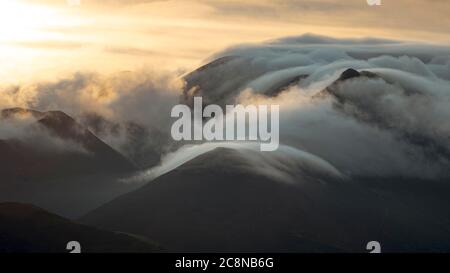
[394, 124]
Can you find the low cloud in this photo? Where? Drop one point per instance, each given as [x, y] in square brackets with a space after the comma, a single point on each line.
[394, 124]
[25, 129]
[286, 164]
[130, 110]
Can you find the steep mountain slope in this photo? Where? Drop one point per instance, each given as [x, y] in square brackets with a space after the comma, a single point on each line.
[217, 203]
[29, 229]
[379, 108]
[27, 159]
[48, 159]
[212, 81]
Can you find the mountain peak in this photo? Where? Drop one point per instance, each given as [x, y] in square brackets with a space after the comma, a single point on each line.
[18, 111]
[349, 74]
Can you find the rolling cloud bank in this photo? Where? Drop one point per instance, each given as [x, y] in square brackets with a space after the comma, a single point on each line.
[364, 150]
[363, 107]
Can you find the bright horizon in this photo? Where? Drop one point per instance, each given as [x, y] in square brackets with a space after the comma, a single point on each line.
[263, 127]
[51, 38]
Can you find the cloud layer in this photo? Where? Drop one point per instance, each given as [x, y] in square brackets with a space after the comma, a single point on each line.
[391, 124]
[129, 111]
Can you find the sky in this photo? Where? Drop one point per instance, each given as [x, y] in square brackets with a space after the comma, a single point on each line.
[47, 39]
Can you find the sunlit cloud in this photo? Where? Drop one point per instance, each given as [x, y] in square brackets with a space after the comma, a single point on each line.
[51, 37]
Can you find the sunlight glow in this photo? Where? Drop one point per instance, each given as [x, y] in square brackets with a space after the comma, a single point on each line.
[19, 21]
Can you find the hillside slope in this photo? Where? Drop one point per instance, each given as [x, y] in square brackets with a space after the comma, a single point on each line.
[29, 229]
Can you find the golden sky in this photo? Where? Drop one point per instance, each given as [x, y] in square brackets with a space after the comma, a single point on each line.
[43, 39]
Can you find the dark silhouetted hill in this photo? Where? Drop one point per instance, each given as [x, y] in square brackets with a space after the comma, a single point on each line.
[29, 229]
[213, 203]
